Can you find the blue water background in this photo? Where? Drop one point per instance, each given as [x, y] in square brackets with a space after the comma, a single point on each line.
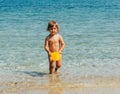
[90, 28]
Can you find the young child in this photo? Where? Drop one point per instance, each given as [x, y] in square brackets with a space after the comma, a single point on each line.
[54, 43]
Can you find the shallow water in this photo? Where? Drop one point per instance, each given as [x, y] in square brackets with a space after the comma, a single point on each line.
[90, 30]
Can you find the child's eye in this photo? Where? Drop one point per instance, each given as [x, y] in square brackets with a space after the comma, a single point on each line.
[53, 28]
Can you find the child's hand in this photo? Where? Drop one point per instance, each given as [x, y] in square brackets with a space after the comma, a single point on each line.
[60, 52]
[49, 53]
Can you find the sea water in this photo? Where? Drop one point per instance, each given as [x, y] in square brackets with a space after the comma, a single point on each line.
[90, 28]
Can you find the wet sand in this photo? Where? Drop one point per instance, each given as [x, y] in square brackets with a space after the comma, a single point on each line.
[19, 83]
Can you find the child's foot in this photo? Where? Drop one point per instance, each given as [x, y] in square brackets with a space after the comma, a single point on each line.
[56, 70]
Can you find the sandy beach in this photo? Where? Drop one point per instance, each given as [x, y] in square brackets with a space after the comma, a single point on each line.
[21, 83]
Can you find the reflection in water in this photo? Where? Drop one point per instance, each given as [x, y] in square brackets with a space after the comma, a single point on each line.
[55, 84]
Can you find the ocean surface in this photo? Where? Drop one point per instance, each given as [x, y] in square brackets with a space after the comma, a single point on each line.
[90, 28]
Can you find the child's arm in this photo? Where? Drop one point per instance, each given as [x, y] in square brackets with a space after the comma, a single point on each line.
[62, 43]
[46, 46]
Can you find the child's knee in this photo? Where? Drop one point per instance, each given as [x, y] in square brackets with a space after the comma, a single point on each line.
[58, 66]
[51, 66]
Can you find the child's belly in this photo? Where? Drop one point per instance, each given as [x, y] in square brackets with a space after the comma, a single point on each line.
[54, 48]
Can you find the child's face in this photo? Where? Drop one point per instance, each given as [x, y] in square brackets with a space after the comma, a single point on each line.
[53, 30]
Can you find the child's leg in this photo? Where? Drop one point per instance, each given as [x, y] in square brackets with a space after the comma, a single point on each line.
[51, 66]
[58, 64]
